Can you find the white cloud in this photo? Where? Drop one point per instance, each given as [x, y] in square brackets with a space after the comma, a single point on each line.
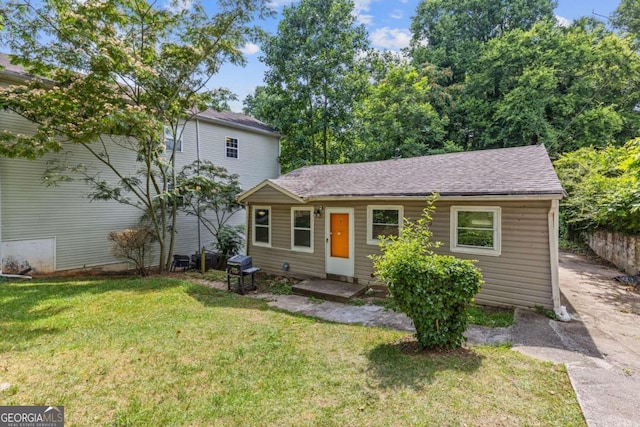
[364, 19]
[396, 14]
[179, 5]
[250, 49]
[404, 1]
[391, 38]
[562, 21]
[278, 3]
[360, 7]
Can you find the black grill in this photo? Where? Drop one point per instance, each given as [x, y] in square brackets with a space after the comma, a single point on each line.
[240, 266]
[238, 263]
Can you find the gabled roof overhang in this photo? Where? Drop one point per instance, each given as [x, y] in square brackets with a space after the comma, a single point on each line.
[268, 183]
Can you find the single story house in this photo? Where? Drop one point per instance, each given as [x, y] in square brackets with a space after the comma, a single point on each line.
[58, 228]
[499, 207]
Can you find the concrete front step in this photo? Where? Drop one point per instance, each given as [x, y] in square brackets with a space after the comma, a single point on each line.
[330, 290]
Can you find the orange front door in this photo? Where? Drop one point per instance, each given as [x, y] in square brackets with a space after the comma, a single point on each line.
[339, 235]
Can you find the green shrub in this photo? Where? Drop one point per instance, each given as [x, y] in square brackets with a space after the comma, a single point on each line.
[603, 187]
[279, 287]
[229, 240]
[435, 291]
[133, 245]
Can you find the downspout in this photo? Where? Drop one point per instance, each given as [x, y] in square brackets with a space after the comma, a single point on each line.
[554, 228]
[247, 209]
[198, 172]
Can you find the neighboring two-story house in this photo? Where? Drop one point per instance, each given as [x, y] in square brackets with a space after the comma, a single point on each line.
[58, 228]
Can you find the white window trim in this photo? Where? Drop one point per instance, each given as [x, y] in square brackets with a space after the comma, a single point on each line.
[226, 138]
[253, 221]
[497, 231]
[168, 135]
[371, 208]
[301, 248]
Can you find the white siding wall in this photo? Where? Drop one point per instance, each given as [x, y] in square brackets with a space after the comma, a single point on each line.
[30, 210]
[257, 159]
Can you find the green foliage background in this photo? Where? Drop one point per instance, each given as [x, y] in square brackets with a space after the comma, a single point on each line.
[603, 188]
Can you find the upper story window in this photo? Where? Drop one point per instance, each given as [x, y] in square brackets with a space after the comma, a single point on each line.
[169, 141]
[476, 230]
[302, 229]
[231, 146]
[383, 221]
[262, 225]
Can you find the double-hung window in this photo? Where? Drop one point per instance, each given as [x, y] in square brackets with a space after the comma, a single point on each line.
[383, 221]
[262, 226]
[476, 230]
[169, 140]
[302, 229]
[231, 147]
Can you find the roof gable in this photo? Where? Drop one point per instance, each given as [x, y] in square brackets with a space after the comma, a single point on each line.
[518, 171]
[265, 191]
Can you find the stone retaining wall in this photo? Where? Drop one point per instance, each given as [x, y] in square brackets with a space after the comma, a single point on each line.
[621, 250]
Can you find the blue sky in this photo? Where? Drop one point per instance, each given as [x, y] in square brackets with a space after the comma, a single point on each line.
[387, 22]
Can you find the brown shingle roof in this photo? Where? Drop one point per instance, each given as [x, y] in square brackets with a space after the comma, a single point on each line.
[498, 172]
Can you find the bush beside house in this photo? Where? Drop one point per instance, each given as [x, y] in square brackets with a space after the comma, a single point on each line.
[435, 291]
[603, 203]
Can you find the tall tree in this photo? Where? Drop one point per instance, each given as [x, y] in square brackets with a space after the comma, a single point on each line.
[313, 81]
[397, 115]
[627, 18]
[120, 75]
[565, 87]
[450, 33]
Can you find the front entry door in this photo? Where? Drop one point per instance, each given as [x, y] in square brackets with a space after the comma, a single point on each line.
[339, 226]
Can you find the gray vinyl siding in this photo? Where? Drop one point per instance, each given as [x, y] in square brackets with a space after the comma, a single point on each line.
[268, 195]
[30, 210]
[301, 264]
[257, 159]
[520, 276]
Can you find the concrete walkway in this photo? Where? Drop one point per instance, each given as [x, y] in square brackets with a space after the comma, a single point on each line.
[600, 346]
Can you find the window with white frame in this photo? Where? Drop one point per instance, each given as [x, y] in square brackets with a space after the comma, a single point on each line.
[302, 229]
[231, 146]
[476, 230]
[169, 140]
[383, 221]
[262, 226]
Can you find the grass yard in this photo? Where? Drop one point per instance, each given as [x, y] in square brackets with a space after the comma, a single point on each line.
[162, 352]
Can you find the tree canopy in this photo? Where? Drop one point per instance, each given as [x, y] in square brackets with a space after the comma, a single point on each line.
[450, 33]
[314, 79]
[603, 187]
[397, 114]
[564, 87]
[627, 18]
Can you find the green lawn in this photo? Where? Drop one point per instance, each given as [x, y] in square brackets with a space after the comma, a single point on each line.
[163, 352]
